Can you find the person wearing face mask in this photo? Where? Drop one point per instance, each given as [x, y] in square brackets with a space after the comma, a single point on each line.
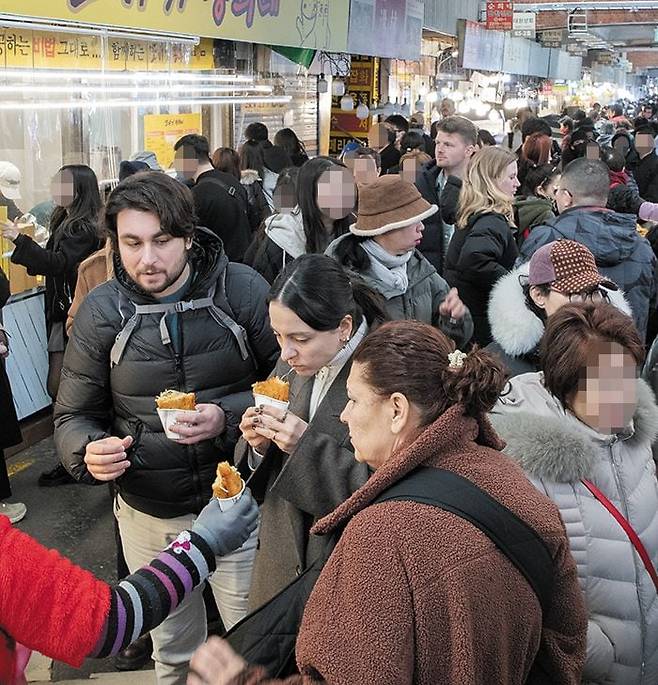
[412, 592]
[522, 301]
[301, 459]
[73, 237]
[483, 248]
[582, 429]
[646, 170]
[623, 255]
[382, 247]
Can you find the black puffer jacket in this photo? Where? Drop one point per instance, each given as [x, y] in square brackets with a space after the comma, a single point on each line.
[432, 245]
[477, 257]
[165, 479]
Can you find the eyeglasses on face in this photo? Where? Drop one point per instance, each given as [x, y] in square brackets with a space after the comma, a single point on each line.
[596, 295]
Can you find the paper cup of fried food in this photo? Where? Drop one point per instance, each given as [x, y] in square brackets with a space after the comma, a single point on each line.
[273, 392]
[228, 486]
[175, 407]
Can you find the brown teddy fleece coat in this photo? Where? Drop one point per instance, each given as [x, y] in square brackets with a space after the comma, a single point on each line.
[415, 594]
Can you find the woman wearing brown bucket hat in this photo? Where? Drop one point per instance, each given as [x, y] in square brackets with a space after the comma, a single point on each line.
[381, 248]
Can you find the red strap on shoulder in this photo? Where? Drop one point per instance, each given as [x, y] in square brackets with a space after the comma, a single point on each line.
[628, 529]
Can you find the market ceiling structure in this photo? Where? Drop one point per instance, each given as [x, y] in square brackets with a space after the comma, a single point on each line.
[620, 26]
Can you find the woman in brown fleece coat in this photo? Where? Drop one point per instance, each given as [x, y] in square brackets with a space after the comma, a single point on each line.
[413, 593]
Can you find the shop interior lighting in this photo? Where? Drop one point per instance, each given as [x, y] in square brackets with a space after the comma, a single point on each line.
[120, 76]
[405, 110]
[338, 87]
[163, 102]
[362, 111]
[347, 103]
[13, 21]
[127, 90]
[323, 84]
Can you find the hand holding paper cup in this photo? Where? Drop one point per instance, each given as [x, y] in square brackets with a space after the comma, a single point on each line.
[228, 486]
[175, 407]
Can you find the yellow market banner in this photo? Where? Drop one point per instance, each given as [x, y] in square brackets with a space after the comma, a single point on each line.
[24, 49]
[161, 131]
[316, 24]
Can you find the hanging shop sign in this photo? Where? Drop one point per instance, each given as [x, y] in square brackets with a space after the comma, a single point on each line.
[161, 131]
[500, 16]
[524, 25]
[21, 49]
[362, 86]
[321, 24]
[552, 38]
[386, 28]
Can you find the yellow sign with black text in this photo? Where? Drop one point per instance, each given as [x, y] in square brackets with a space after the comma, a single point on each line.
[161, 131]
[320, 24]
[21, 49]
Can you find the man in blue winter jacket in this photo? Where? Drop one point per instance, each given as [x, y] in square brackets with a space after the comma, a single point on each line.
[621, 253]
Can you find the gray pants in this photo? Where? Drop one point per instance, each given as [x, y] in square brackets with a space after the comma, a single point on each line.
[174, 641]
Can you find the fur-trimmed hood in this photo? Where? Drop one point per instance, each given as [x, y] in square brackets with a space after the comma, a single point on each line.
[515, 327]
[550, 443]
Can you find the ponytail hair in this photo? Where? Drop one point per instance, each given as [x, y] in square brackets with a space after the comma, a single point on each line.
[322, 293]
[350, 253]
[411, 358]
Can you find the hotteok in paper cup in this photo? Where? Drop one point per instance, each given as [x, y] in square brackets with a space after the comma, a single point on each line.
[227, 502]
[171, 416]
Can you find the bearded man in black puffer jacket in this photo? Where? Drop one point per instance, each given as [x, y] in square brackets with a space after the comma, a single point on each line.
[177, 315]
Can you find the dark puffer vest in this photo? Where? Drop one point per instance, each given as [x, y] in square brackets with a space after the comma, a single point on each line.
[165, 479]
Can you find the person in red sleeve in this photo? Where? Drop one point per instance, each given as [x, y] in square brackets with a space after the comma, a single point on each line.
[49, 604]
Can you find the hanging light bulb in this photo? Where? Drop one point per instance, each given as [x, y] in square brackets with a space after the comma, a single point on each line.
[347, 103]
[338, 87]
[323, 85]
[405, 110]
[362, 111]
[419, 105]
[389, 108]
[396, 106]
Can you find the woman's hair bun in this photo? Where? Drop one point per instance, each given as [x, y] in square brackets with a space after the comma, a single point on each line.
[477, 384]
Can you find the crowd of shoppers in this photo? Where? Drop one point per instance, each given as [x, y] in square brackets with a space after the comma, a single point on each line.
[435, 504]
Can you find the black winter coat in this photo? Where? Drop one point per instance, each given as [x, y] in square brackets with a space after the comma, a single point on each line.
[68, 245]
[478, 255]
[223, 210]
[10, 433]
[431, 246]
[646, 175]
[95, 400]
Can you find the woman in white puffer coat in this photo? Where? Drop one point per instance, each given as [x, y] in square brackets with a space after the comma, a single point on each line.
[588, 417]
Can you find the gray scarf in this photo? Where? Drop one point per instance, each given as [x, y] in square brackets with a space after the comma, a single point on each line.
[389, 272]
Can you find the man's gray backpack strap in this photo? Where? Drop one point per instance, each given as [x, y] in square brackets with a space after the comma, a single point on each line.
[220, 316]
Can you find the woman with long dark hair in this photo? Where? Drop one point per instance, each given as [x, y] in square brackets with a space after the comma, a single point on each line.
[288, 140]
[73, 237]
[302, 459]
[326, 200]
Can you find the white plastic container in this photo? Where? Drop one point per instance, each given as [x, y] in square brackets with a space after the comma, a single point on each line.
[171, 416]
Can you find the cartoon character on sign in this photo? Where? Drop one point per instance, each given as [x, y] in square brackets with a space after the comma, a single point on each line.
[313, 23]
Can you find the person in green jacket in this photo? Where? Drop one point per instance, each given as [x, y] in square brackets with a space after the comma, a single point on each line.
[536, 203]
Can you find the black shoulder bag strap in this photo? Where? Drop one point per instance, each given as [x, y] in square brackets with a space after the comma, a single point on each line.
[518, 541]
